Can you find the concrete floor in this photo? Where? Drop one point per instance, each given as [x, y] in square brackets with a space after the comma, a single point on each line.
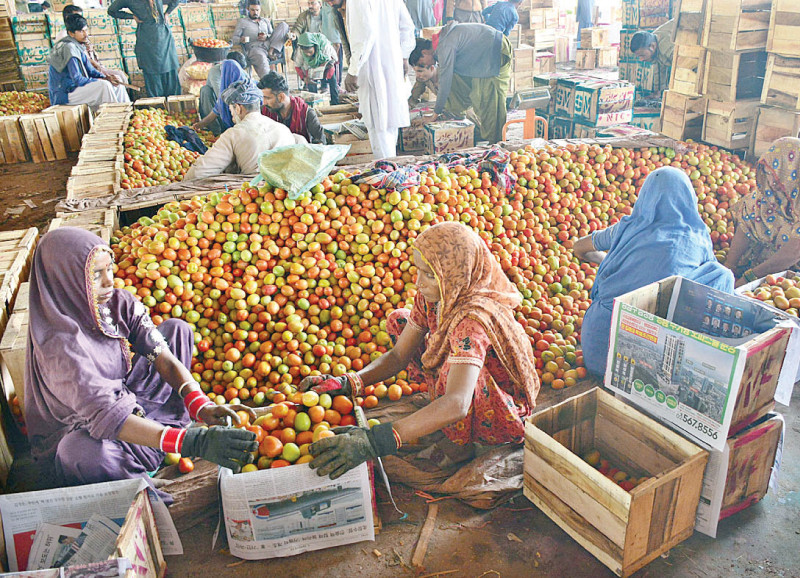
[518, 540]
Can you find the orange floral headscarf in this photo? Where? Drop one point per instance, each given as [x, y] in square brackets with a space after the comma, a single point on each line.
[473, 285]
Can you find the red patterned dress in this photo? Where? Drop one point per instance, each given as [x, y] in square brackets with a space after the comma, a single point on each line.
[495, 416]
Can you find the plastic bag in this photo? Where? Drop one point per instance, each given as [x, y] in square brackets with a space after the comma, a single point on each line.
[297, 168]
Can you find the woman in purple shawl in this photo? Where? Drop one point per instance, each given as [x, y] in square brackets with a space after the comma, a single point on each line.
[95, 411]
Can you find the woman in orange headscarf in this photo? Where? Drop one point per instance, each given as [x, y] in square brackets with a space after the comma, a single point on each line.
[461, 338]
[767, 238]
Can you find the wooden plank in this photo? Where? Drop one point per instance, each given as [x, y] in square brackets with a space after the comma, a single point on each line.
[691, 486]
[428, 528]
[44, 138]
[627, 451]
[638, 525]
[576, 498]
[582, 532]
[663, 507]
[32, 138]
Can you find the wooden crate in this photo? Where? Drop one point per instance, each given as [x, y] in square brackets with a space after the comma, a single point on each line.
[782, 82]
[43, 136]
[524, 58]
[74, 121]
[151, 102]
[730, 125]
[13, 347]
[585, 59]
[543, 19]
[624, 530]
[773, 123]
[784, 28]
[607, 57]
[101, 222]
[736, 24]
[732, 76]
[688, 70]
[594, 38]
[182, 104]
[682, 116]
[12, 141]
[16, 254]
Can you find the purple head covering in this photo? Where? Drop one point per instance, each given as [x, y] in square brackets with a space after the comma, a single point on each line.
[77, 358]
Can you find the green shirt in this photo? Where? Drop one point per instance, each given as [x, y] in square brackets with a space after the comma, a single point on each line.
[155, 46]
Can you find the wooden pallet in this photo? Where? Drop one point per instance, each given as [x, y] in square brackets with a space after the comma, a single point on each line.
[43, 137]
[101, 222]
[75, 121]
[682, 117]
[688, 70]
[782, 82]
[730, 125]
[625, 530]
[12, 141]
[736, 24]
[773, 123]
[784, 28]
[732, 76]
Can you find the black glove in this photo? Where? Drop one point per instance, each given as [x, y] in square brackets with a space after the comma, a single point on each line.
[350, 447]
[228, 447]
[329, 384]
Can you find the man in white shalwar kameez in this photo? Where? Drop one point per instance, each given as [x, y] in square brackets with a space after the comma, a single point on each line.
[381, 35]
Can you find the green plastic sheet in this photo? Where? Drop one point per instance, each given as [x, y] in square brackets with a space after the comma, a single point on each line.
[297, 168]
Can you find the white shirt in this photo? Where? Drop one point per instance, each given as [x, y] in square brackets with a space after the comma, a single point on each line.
[239, 147]
[381, 35]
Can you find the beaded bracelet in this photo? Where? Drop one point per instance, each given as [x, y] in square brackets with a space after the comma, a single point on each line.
[172, 440]
[194, 402]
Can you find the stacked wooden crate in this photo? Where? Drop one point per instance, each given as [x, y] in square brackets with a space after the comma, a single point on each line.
[735, 35]
[541, 33]
[640, 15]
[779, 113]
[16, 255]
[225, 18]
[690, 18]
[289, 10]
[596, 50]
[100, 162]
[10, 78]
[75, 120]
[197, 23]
[32, 38]
[104, 38]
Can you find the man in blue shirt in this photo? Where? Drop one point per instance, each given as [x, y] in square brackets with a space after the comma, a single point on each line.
[502, 16]
[72, 78]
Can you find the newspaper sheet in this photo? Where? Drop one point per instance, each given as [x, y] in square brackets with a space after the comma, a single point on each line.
[115, 568]
[286, 511]
[95, 544]
[24, 513]
[51, 543]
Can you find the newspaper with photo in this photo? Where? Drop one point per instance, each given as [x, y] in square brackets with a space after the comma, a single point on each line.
[96, 542]
[24, 513]
[285, 511]
[51, 543]
[115, 568]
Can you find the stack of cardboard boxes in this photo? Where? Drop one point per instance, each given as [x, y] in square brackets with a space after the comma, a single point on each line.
[32, 37]
[596, 50]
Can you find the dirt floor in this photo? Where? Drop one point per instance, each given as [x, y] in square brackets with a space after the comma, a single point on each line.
[513, 540]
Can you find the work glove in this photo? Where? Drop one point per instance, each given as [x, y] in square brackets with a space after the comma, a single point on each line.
[228, 447]
[327, 384]
[350, 447]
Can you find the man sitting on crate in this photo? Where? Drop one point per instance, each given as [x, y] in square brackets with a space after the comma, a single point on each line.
[474, 69]
[263, 44]
[73, 79]
[70, 9]
[656, 46]
[291, 111]
[238, 149]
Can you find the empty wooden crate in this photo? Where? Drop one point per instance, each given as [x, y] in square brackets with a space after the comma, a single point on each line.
[736, 24]
[782, 82]
[784, 28]
[773, 123]
[682, 116]
[730, 124]
[734, 76]
[688, 70]
[625, 530]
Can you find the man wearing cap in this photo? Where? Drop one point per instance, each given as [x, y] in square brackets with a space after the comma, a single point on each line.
[238, 149]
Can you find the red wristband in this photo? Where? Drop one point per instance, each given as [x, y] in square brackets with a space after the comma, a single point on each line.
[397, 439]
[172, 440]
[194, 402]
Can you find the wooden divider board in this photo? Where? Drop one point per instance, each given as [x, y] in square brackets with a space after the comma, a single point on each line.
[12, 141]
[43, 137]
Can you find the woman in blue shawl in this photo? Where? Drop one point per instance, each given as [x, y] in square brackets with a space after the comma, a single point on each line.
[663, 236]
[230, 72]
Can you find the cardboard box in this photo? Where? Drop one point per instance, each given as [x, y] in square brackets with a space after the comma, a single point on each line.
[740, 475]
[624, 530]
[602, 103]
[449, 136]
[704, 362]
[412, 139]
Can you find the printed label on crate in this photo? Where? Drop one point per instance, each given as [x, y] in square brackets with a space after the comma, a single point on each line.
[449, 136]
[37, 55]
[685, 370]
[560, 127]
[604, 105]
